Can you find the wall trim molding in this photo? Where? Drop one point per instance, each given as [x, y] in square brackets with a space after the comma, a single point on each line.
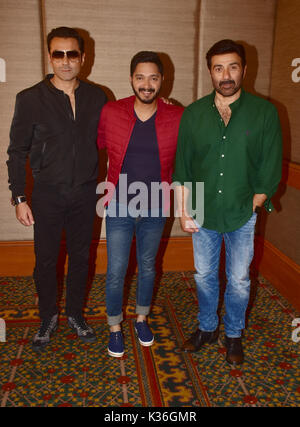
[279, 269]
[175, 254]
[291, 174]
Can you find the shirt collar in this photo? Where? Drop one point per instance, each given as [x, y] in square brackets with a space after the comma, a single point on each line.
[234, 105]
[51, 86]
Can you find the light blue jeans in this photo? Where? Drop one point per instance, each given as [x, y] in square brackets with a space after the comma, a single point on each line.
[239, 249]
[120, 230]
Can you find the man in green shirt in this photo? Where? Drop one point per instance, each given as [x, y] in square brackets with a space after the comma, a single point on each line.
[231, 141]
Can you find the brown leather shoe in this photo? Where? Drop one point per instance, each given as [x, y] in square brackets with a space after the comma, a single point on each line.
[198, 339]
[235, 352]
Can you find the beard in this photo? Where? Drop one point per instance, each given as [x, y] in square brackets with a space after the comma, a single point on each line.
[139, 92]
[227, 88]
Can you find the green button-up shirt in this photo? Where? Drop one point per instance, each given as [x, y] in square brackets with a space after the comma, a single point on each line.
[234, 161]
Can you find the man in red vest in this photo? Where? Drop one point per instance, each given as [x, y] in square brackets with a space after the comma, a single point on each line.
[140, 135]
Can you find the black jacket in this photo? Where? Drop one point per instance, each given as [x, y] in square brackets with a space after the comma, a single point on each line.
[61, 149]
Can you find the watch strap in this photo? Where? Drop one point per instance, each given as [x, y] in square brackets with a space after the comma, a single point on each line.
[17, 200]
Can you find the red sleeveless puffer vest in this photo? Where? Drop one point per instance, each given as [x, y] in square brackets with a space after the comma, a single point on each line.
[116, 124]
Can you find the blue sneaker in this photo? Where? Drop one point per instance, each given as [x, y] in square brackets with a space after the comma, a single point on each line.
[144, 333]
[116, 344]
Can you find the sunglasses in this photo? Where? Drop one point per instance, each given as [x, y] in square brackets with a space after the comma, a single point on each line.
[72, 55]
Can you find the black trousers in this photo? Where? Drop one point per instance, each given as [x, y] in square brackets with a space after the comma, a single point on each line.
[55, 209]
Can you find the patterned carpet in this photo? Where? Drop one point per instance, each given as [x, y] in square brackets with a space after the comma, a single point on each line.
[70, 373]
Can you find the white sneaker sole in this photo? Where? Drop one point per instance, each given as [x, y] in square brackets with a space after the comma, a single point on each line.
[143, 343]
[146, 344]
[112, 354]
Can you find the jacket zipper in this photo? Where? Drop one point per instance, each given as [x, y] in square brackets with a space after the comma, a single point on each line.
[42, 155]
[72, 118]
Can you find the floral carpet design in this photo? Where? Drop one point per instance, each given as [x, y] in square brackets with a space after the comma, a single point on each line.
[71, 373]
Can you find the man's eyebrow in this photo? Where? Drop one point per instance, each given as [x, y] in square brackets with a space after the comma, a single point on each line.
[231, 63]
[141, 74]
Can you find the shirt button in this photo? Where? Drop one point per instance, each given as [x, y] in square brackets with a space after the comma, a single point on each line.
[220, 191]
[223, 155]
[221, 173]
[224, 137]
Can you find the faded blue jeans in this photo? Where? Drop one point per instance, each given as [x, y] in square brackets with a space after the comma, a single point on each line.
[119, 235]
[239, 249]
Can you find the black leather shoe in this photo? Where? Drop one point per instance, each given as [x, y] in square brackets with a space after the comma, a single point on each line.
[235, 352]
[198, 339]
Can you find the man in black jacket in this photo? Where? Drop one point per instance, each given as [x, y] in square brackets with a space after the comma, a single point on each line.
[55, 124]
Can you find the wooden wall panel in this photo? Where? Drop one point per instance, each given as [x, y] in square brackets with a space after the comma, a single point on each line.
[285, 84]
[283, 227]
[175, 254]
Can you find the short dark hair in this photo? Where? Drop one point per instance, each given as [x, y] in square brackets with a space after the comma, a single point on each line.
[146, 56]
[226, 46]
[65, 32]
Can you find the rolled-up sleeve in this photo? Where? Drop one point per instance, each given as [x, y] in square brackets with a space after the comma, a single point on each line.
[269, 173]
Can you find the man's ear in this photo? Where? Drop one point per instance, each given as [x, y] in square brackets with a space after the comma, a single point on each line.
[245, 70]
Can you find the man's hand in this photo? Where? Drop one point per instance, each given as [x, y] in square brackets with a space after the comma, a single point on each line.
[259, 200]
[186, 222]
[167, 101]
[24, 214]
[188, 225]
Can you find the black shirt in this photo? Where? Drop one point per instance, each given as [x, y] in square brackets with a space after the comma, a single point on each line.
[62, 149]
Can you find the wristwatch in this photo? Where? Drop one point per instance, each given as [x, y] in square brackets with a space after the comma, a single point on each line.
[17, 200]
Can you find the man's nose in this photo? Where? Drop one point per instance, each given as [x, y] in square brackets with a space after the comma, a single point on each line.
[226, 74]
[147, 84]
[65, 59]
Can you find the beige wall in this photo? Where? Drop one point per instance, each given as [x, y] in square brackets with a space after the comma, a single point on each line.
[182, 30]
[251, 23]
[20, 47]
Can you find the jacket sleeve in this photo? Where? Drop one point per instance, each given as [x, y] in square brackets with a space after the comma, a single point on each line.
[183, 163]
[20, 143]
[269, 173]
[101, 139]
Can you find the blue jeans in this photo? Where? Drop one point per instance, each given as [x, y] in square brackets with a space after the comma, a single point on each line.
[239, 249]
[119, 235]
